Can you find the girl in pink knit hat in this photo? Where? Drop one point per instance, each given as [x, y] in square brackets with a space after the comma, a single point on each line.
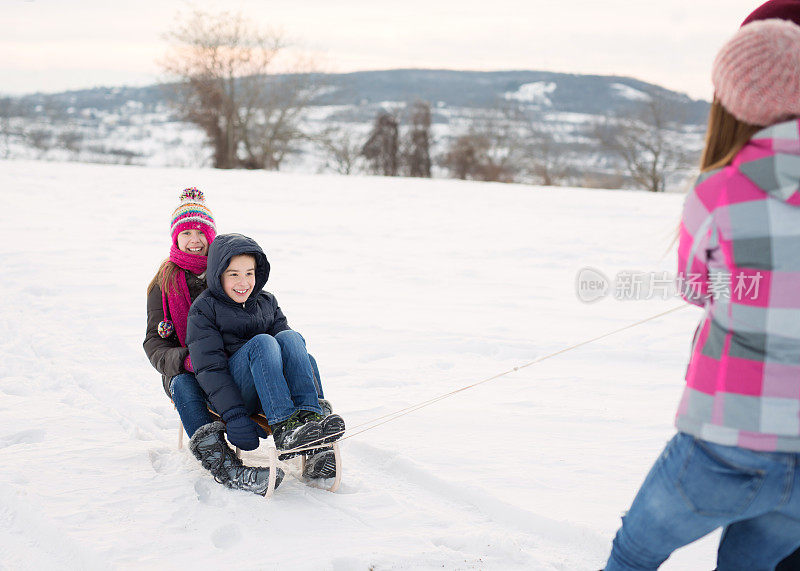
[179, 280]
[735, 462]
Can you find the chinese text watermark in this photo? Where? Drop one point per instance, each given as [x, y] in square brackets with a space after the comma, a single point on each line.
[592, 285]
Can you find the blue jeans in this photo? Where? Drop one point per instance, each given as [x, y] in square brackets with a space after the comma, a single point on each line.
[696, 486]
[274, 375]
[191, 402]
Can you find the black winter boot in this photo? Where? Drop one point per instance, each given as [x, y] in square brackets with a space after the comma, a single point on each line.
[332, 427]
[332, 424]
[294, 432]
[209, 446]
[320, 465]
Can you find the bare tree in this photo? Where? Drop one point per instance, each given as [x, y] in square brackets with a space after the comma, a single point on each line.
[381, 148]
[70, 139]
[342, 148]
[545, 159]
[548, 159]
[40, 137]
[491, 150]
[223, 62]
[271, 118]
[648, 142]
[462, 157]
[7, 111]
[417, 151]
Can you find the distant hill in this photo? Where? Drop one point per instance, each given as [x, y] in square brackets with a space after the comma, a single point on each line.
[560, 92]
[137, 125]
[590, 94]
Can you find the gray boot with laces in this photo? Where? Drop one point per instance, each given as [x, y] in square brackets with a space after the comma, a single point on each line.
[209, 446]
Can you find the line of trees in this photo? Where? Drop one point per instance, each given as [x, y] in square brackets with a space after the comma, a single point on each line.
[224, 67]
[387, 155]
[643, 147]
[50, 130]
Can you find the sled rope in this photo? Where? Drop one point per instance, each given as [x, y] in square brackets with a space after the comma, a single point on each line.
[376, 422]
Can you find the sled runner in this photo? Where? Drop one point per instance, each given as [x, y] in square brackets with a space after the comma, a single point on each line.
[288, 466]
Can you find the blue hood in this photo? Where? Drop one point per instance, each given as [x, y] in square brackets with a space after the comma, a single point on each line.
[222, 249]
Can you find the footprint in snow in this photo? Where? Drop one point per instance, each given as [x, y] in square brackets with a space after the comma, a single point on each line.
[163, 460]
[164, 418]
[17, 386]
[33, 436]
[209, 492]
[226, 536]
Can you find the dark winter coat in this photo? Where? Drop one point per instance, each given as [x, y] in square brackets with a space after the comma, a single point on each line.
[218, 326]
[167, 355]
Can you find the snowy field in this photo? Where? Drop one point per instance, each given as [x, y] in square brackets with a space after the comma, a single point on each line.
[404, 289]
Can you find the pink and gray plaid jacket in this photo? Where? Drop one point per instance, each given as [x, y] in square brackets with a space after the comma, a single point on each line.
[739, 257]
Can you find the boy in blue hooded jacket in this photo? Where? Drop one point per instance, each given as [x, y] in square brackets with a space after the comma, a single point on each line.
[247, 359]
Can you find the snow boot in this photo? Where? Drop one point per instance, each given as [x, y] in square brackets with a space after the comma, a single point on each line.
[320, 465]
[294, 432]
[209, 446]
[332, 425]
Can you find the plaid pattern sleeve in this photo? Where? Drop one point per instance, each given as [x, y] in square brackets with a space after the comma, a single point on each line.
[697, 242]
[740, 240]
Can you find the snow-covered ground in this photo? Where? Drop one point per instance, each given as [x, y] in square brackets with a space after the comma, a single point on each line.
[404, 289]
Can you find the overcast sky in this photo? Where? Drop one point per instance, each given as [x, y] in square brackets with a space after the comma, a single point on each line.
[53, 45]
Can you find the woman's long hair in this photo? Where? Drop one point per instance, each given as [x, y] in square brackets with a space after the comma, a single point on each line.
[725, 137]
[166, 277]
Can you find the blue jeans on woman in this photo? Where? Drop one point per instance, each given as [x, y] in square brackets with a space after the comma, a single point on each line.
[274, 375]
[192, 403]
[696, 486]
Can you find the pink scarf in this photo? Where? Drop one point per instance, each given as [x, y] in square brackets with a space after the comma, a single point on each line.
[178, 298]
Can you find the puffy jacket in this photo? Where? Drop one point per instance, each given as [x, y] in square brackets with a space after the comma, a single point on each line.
[167, 355]
[218, 326]
[739, 258]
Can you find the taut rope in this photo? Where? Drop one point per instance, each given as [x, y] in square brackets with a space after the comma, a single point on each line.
[376, 422]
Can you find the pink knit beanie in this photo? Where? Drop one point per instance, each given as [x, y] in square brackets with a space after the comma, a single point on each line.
[756, 74]
[192, 214]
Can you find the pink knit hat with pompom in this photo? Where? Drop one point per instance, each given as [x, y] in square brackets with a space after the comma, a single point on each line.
[192, 213]
[756, 74]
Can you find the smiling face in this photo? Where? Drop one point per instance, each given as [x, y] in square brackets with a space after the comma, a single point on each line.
[193, 242]
[239, 278]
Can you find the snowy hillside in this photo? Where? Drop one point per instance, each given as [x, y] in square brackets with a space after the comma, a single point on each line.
[140, 126]
[404, 289]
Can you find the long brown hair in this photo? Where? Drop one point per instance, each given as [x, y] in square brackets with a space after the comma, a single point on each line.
[166, 277]
[725, 137]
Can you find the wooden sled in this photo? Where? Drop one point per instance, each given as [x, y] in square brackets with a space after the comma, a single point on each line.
[274, 463]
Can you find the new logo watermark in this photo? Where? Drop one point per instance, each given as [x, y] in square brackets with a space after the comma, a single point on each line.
[591, 285]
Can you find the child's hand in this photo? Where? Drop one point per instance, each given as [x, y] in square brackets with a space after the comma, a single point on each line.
[187, 364]
[242, 431]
